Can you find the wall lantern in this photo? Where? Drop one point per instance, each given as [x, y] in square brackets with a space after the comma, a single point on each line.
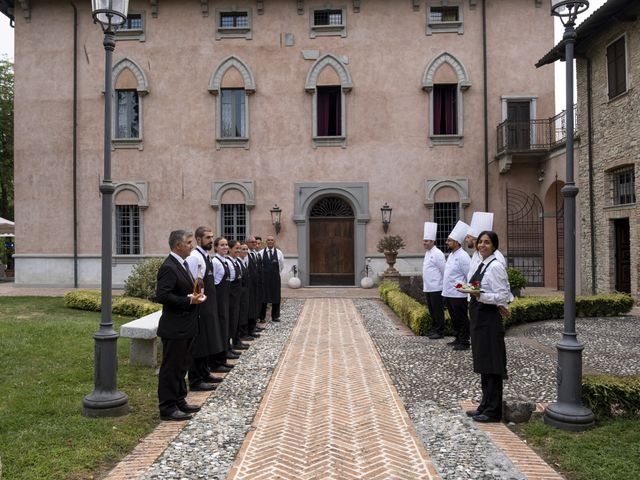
[386, 216]
[276, 212]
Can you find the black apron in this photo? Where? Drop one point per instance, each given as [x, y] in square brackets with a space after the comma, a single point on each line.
[271, 276]
[487, 334]
[222, 298]
[209, 339]
[252, 289]
[235, 293]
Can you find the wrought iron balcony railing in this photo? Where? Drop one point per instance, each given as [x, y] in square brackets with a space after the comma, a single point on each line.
[535, 136]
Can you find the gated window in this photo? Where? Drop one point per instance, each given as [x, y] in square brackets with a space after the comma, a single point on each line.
[617, 68]
[233, 24]
[127, 229]
[624, 186]
[132, 28]
[327, 21]
[446, 215]
[445, 18]
[525, 235]
[234, 221]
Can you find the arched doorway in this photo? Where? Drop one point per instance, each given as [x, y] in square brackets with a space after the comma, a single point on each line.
[331, 242]
[525, 235]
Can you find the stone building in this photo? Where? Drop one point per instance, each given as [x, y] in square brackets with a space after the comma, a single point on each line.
[327, 109]
[608, 69]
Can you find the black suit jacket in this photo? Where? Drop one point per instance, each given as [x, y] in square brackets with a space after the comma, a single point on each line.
[179, 318]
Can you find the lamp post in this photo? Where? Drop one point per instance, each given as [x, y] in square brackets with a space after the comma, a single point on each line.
[275, 217]
[568, 413]
[106, 400]
[386, 216]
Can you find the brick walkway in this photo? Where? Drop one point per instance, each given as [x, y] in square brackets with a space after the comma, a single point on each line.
[331, 411]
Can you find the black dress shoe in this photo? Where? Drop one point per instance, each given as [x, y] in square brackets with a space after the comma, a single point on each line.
[232, 355]
[203, 387]
[472, 413]
[485, 418]
[259, 329]
[248, 338]
[241, 346]
[435, 336]
[212, 379]
[277, 319]
[462, 346]
[188, 408]
[222, 368]
[176, 416]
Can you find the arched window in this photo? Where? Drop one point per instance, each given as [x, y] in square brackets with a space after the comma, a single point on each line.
[130, 85]
[231, 83]
[328, 80]
[445, 79]
[234, 199]
[130, 199]
[447, 199]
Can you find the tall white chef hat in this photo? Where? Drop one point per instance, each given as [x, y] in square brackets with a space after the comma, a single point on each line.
[459, 232]
[430, 230]
[480, 222]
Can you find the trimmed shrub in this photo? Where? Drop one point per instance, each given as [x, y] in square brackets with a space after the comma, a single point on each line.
[92, 300]
[142, 281]
[608, 395]
[385, 288]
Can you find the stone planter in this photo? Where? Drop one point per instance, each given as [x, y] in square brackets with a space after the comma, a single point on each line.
[391, 258]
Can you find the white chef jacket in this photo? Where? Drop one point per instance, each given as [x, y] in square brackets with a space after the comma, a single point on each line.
[455, 271]
[433, 270]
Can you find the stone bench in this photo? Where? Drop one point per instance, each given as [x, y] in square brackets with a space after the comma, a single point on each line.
[142, 332]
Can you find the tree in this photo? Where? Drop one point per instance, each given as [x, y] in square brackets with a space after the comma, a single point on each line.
[6, 139]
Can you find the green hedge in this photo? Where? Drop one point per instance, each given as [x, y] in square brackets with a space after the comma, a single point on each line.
[608, 395]
[127, 306]
[523, 310]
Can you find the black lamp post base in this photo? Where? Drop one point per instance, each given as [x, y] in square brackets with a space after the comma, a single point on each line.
[568, 416]
[113, 404]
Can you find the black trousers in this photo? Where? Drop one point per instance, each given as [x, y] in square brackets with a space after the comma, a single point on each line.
[275, 311]
[199, 370]
[459, 312]
[491, 403]
[436, 310]
[176, 359]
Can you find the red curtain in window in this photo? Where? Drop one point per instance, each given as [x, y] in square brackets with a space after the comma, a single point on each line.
[444, 110]
[329, 111]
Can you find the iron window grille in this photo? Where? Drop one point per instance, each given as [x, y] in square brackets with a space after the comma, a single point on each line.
[234, 20]
[624, 185]
[327, 18]
[234, 221]
[127, 230]
[133, 22]
[446, 215]
[443, 14]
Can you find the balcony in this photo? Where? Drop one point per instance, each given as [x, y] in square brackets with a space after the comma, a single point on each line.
[523, 142]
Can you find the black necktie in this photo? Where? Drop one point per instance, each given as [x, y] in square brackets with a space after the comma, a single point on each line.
[186, 266]
[477, 272]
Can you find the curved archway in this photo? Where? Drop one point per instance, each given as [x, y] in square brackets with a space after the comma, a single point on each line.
[141, 78]
[232, 62]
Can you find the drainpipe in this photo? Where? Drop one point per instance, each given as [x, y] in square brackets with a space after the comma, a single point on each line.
[486, 114]
[75, 145]
[591, 197]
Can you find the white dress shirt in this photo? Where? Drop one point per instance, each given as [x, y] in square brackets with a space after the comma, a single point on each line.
[476, 258]
[495, 283]
[455, 271]
[433, 270]
[218, 268]
[196, 260]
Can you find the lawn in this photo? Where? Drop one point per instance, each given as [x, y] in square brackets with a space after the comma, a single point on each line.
[46, 369]
[609, 451]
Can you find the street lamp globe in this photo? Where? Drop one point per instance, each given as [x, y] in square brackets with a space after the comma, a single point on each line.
[110, 13]
[568, 10]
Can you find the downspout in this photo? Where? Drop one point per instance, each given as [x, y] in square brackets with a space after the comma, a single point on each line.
[486, 108]
[590, 157]
[75, 145]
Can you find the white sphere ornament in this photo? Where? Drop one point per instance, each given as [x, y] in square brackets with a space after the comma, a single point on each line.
[366, 282]
[294, 282]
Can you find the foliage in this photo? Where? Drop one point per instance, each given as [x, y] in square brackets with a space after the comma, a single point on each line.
[91, 300]
[46, 369]
[608, 395]
[142, 281]
[390, 243]
[6, 139]
[609, 451]
[517, 280]
[523, 310]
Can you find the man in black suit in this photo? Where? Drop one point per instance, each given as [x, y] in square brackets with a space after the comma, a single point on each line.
[177, 327]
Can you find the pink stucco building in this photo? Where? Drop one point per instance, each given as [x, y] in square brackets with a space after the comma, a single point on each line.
[329, 110]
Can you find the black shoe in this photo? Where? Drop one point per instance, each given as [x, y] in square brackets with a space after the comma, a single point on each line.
[212, 379]
[435, 336]
[247, 338]
[461, 346]
[188, 408]
[277, 319]
[176, 416]
[203, 387]
[231, 355]
[472, 413]
[222, 368]
[241, 346]
[257, 329]
[485, 418]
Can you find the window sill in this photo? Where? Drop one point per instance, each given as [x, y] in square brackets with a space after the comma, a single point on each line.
[445, 27]
[124, 143]
[333, 141]
[446, 140]
[233, 32]
[328, 31]
[232, 142]
[622, 206]
[620, 95]
[124, 259]
[130, 35]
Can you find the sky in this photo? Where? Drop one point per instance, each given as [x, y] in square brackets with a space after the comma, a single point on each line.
[6, 48]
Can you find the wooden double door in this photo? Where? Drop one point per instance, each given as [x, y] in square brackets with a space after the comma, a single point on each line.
[331, 251]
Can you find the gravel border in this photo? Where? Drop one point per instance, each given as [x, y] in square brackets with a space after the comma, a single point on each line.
[207, 446]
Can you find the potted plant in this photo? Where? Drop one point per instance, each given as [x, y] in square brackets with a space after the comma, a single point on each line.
[517, 281]
[390, 245]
